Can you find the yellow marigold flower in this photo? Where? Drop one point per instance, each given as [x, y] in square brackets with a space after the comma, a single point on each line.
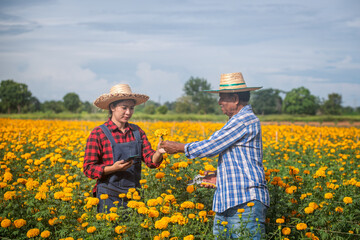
[143, 210]
[241, 210]
[176, 156]
[33, 233]
[122, 195]
[113, 209]
[314, 205]
[328, 195]
[91, 229]
[202, 214]
[161, 132]
[165, 234]
[301, 226]
[5, 223]
[153, 213]
[143, 181]
[309, 210]
[224, 223]
[7, 177]
[9, 195]
[199, 206]
[189, 237]
[250, 204]
[104, 196]
[152, 202]
[120, 229]
[45, 234]
[112, 216]
[347, 200]
[280, 220]
[159, 175]
[188, 204]
[19, 223]
[183, 164]
[160, 224]
[191, 216]
[190, 188]
[169, 198]
[85, 224]
[339, 209]
[286, 231]
[156, 238]
[3, 184]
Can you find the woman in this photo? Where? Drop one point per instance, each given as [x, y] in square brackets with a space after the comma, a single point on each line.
[114, 150]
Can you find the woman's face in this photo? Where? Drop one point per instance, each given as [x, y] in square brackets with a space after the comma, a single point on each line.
[122, 112]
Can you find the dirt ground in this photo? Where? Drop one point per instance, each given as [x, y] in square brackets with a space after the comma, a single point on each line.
[317, 124]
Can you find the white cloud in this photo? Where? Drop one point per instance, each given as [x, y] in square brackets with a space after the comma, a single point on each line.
[355, 23]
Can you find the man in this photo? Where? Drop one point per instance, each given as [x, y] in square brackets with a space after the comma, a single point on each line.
[241, 192]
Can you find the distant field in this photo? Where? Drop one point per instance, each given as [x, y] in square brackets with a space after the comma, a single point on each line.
[186, 117]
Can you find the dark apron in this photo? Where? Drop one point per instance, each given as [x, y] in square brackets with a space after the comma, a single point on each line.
[121, 181]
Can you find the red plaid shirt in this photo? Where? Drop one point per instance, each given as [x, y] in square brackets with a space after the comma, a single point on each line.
[98, 152]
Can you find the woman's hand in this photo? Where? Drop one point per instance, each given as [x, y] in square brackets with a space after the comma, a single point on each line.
[121, 165]
[159, 148]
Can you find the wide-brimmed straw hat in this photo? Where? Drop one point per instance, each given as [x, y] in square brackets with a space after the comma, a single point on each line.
[232, 82]
[119, 92]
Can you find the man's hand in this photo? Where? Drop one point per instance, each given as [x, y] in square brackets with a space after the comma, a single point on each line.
[159, 148]
[121, 165]
[172, 147]
[209, 181]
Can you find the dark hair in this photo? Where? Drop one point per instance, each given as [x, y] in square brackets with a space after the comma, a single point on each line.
[243, 96]
[115, 103]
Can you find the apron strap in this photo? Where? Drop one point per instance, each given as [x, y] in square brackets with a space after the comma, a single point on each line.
[108, 134]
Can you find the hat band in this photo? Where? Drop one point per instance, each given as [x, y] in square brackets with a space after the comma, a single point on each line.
[230, 85]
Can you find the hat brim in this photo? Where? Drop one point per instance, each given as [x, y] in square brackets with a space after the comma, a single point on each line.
[233, 90]
[104, 100]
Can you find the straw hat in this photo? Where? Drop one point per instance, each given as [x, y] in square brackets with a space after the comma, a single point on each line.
[232, 82]
[119, 92]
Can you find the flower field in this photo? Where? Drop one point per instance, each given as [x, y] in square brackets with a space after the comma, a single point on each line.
[312, 173]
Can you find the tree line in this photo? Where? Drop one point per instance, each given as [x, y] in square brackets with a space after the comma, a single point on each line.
[17, 98]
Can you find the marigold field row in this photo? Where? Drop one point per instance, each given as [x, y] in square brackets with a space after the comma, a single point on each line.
[312, 174]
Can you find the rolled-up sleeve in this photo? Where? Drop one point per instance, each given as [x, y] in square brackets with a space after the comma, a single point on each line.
[217, 143]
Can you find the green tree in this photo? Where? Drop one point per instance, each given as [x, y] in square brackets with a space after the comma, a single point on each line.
[202, 101]
[300, 101]
[162, 109]
[266, 101]
[33, 106]
[53, 106]
[14, 95]
[332, 105]
[184, 105]
[72, 102]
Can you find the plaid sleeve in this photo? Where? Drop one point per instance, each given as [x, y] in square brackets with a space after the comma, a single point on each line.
[147, 151]
[93, 164]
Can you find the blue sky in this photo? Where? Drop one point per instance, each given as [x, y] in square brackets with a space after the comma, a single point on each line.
[57, 47]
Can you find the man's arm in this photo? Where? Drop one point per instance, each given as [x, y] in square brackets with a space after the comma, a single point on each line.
[173, 147]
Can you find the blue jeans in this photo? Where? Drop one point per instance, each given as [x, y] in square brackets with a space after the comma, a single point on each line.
[247, 225]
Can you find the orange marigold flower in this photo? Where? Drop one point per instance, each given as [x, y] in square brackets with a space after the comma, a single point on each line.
[347, 200]
[250, 204]
[91, 229]
[159, 175]
[280, 220]
[5, 223]
[45, 234]
[286, 231]
[33, 233]
[328, 195]
[19, 223]
[301, 226]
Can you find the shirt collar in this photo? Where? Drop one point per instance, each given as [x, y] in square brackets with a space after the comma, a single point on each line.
[112, 126]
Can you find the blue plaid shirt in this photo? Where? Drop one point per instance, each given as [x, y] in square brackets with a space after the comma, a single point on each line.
[240, 171]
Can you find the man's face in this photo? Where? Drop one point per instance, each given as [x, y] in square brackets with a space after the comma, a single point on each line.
[228, 103]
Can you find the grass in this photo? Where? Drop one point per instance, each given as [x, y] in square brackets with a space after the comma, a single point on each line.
[138, 116]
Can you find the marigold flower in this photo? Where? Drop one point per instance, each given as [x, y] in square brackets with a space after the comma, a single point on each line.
[280, 220]
[328, 195]
[5, 223]
[120, 229]
[19, 223]
[301, 226]
[339, 209]
[286, 231]
[45, 234]
[165, 234]
[189, 237]
[104, 196]
[250, 204]
[347, 200]
[159, 175]
[160, 224]
[91, 229]
[309, 210]
[190, 188]
[33, 233]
